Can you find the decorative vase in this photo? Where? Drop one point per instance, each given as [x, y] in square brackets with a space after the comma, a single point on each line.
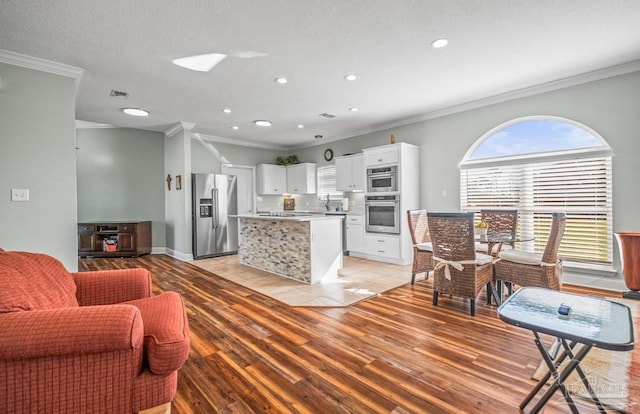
[629, 245]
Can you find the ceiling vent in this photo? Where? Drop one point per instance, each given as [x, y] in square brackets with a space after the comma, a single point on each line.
[118, 94]
[327, 115]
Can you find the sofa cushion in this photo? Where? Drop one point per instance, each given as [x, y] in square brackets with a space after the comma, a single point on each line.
[32, 281]
[166, 331]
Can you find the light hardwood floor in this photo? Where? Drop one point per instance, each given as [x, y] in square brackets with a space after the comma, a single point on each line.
[394, 353]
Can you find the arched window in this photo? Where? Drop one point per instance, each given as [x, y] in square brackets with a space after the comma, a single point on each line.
[540, 165]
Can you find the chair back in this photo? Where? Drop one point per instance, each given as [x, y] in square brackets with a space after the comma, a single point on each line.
[418, 227]
[452, 235]
[501, 222]
[558, 224]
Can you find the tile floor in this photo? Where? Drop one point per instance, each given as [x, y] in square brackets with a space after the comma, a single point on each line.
[357, 280]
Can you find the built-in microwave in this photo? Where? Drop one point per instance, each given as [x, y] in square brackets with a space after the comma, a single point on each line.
[382, 179]
[382, 214]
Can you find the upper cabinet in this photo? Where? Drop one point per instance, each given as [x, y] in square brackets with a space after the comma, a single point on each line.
[350, 173]
[387, 154]
[301, 178]
[271, 179]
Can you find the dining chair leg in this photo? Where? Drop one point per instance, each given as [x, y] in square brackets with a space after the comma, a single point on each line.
[435, 298]
[472, 302]
[489, 293]
[413, 278]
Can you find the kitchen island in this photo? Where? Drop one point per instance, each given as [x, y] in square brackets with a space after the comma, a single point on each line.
[304, 247]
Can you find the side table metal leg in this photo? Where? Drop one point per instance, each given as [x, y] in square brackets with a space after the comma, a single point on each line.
[559, 381]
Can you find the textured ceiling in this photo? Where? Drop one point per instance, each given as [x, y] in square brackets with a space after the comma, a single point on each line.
[496, 46]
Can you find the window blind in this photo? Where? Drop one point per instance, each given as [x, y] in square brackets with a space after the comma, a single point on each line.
[327, 183]
[579, 187]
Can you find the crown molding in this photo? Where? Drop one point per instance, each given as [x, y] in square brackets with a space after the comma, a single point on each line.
[235, 141]
[92, 125]
[180, 126]
[42, 65]
[576, 80]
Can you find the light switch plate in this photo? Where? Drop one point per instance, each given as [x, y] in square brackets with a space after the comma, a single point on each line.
[19, 194]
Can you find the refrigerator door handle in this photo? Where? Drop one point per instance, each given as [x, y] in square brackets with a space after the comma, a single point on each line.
[214, 196]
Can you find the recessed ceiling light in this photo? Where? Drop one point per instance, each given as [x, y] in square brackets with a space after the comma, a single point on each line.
[236, 127]
[136, 111]
[300, 126]
[280, 81]
[438, 43]
[262, 122]
[354, 109]
[226, 110]
[350, 77]
[200, 63]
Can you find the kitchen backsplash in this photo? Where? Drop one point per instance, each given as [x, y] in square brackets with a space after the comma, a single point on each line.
[311, 203]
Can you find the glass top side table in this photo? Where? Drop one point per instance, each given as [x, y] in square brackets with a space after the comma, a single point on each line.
[590, 321]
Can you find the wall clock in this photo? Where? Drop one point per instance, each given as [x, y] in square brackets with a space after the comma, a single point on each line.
[328, 155]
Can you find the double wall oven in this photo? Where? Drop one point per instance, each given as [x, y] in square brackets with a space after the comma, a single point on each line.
[382, 200]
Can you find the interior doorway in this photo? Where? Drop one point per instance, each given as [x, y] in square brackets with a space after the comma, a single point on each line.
[246, 186]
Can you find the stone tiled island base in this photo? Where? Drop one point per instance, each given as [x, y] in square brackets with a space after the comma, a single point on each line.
[305, 250]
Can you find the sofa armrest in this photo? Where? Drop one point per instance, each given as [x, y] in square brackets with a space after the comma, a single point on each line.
[69, 331]
[106, 287]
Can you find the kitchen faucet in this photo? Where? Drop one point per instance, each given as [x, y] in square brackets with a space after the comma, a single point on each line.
[327, 203]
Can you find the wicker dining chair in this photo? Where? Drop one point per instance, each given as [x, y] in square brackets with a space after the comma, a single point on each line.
[524, 268]
[422, 247]
[459, 270]
[501, 223]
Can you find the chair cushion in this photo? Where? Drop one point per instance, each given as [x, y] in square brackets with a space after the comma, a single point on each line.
[483, 259]
[166, 331]
[426, 246]
[32, 281]
[520, 256]
[481, 247]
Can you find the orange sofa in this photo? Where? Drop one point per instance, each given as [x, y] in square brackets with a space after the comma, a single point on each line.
[89, 342]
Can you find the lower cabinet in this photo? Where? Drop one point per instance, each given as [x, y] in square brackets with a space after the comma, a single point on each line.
[355, 233]
[382, 245]
[111, 239]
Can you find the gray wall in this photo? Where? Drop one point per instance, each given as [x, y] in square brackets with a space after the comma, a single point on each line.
[121, 177]
[609, 106]
[37, 152]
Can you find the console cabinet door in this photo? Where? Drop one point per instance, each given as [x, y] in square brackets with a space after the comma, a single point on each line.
[127, 242]
[86, 238]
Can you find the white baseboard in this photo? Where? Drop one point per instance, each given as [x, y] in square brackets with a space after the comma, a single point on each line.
[178, 255]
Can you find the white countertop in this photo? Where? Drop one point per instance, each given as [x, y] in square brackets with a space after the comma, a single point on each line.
[296, 217]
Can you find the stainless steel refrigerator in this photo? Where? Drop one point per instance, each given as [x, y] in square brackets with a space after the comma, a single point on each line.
[214, 199]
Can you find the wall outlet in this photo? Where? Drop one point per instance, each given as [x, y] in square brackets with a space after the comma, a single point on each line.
[19, 194]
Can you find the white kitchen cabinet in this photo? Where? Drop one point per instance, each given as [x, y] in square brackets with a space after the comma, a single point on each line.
[355, 233]
[386, 154]
[350, 173]
[271, 179]
[301, 178]
[382, 245]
